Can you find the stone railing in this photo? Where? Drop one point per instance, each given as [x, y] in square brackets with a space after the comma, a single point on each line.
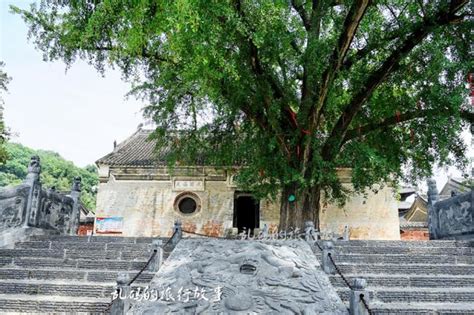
[451, 218]
[30, 205]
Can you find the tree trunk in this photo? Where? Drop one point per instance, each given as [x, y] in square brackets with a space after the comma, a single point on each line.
[305, 207]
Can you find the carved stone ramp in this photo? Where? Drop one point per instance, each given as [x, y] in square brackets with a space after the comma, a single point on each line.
[241, 277]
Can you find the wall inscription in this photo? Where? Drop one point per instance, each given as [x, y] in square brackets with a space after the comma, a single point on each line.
[193, 185]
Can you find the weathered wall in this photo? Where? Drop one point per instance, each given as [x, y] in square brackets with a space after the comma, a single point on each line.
[148, 206]
[374, 217]
[145, 199]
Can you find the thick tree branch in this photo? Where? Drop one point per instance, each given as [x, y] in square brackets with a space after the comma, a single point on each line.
[298, 6]
[338, 133]
[351, 24]
[258, 117]
[261, 74]
[315, 18]
[307, 94]
[255, 62]
[362, 53]
[398, 119]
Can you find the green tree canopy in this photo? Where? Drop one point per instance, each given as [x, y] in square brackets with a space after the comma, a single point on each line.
[55, 172]
[294, 89]
[4, 79]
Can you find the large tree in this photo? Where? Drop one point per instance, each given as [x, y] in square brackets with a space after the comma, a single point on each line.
[291, 89]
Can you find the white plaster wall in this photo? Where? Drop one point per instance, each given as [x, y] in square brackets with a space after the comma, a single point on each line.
[374, 217]
[147, 207]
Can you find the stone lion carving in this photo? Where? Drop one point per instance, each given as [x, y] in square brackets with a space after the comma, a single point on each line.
[34, 166]
[76, 184]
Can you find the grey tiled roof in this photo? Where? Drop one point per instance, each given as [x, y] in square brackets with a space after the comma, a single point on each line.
[137, 151]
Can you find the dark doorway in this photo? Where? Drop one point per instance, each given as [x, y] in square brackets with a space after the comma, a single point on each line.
[246, 212]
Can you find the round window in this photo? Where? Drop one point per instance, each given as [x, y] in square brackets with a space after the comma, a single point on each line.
[187, 203]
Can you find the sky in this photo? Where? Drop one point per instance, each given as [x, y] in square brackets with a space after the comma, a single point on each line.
[77, 113]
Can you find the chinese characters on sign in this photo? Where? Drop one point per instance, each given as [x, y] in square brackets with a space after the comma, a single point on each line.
[167, 295]
[196, 185]
[270, 235]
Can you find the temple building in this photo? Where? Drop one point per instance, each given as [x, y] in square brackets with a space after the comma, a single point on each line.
[139, 195]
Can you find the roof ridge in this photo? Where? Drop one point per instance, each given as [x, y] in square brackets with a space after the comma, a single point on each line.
[127, 140]
[122, 144]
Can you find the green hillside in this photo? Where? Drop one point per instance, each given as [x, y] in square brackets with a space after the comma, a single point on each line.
[55, 171]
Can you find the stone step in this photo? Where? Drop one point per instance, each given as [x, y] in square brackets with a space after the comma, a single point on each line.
[420, 269]
[61, 305]
[403, 281]
[405, 244]
[413, 251]
[53, 289]
[418, 295]
[90, 264]
[422, 277]
[422, 308]
[77, 254]
[83, 245]
[70, 275]
[94, 239]
[402, 259]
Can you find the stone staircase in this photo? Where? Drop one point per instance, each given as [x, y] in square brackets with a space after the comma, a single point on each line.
[66, 274]
[416, 277]
[52, 274]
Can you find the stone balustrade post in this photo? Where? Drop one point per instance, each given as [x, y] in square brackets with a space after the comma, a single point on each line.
[121, 303]
[328, 266]
[177, 233]
[76, 213]
[156, 262]
[33, 181]
[345, 235]
[433, 197]
[358, 291]
[311, 234]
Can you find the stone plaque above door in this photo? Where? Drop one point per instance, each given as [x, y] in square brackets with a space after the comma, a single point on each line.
[188, 184]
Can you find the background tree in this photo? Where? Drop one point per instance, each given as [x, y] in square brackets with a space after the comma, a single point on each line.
[4, 79]
[292, 89]
[55, 172]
